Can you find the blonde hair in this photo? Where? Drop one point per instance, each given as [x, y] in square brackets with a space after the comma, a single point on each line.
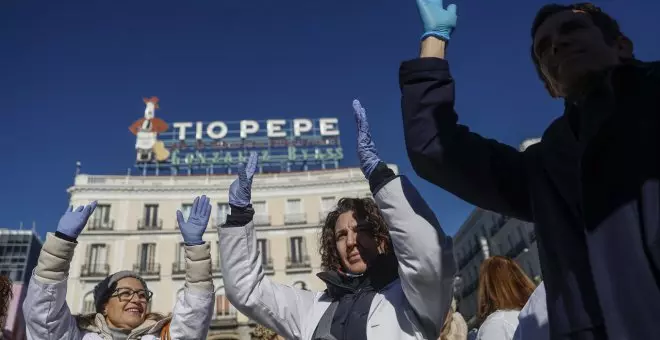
[262, 333]
[502, 285]
[454, 327]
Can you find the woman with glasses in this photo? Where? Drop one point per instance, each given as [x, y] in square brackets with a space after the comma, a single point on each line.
[121, 300]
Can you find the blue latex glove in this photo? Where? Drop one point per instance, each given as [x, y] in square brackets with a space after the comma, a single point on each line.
[193, 229]
[240, 191]
[438, 21]
[367, 153]
[73, 222]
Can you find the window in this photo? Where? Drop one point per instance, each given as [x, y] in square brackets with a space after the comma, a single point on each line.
[296, 249]
[293, 206]
[147, 257]
[101, 215]
[151, 215]
[327, 204]
[181, 257]
[185, 210]
[260, 207]
[223, 211]
[222, 306]
[294, 212]
[262, 245]
[97, 255]
[88, 303]
[260, 213]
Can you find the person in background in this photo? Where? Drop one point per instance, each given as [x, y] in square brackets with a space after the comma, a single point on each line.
[6, 294]
[262, 333]
[388, 266]
[454, 327]
[590, 185]
[504, 288]
[121, 300]
[533, 318]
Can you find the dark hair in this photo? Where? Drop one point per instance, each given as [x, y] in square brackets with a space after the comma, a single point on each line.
[6, 294]
[502, 285]
[364, 210]
[607, 25]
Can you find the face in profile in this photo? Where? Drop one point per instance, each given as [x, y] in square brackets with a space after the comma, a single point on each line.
[127, 306]
[355, 244]
[569, 47]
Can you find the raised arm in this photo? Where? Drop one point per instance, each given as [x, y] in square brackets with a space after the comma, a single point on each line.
[282, 308]
[46, 313]
[194, 308]
[424, 253]
[480, 171]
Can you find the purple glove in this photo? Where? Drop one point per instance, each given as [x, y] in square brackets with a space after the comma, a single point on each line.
[240, 191]
[73, 222]
[193, 230]
[366, 148]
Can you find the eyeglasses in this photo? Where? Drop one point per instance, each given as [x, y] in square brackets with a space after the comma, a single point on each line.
[126, 294]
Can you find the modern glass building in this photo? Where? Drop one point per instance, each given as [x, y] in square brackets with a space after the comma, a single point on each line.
[19, 250]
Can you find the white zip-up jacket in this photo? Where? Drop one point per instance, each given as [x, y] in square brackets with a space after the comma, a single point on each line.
[412, 307]
[47, 315]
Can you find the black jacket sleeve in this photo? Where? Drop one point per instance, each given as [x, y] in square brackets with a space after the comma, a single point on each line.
[239, 216]
[481, 171]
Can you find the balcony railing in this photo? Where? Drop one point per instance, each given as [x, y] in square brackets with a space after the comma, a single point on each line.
[95, 270]
[178, 268]
[261, 220]
[300, 262]
[148, 269]
[100, 224]
[297, 218]
[144, 224]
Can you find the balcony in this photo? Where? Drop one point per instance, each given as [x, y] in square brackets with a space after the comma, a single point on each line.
[267, 265]
[295, 218]
[94, 271]
[261, 220]
[148, 271]
[178, 270]
[298, 264]
[145, 224]
[100, 224]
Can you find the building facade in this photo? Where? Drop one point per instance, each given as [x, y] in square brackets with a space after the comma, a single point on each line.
[19, 252]
[134, 228]
[484, 234]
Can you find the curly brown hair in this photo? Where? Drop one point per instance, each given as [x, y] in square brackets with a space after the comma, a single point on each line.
[365, 211]
[6, 294]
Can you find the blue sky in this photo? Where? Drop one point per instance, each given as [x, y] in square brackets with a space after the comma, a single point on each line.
[73, 75]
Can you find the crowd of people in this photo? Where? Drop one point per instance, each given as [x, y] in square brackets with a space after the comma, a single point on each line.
[591, 186]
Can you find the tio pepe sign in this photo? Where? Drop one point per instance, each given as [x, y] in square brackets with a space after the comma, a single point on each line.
[275, 128]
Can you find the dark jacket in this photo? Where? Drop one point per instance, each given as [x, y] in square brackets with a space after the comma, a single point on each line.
[590, 186]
